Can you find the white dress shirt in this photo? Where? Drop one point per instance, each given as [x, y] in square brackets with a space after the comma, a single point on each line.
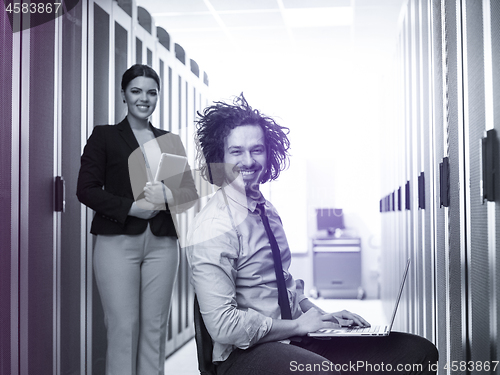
[233, 271]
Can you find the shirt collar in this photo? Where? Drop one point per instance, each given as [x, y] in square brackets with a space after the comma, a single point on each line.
[240, 198]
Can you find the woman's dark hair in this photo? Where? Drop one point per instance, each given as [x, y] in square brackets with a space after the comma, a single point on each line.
[215, 124]
[139, 70]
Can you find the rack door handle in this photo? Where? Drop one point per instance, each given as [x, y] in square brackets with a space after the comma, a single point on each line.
[59, 194]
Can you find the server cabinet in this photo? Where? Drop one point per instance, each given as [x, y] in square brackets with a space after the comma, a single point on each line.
[492, 60]
[478, 286]
[9, 211]
[73, 226]
[448, 56]
[59, 79]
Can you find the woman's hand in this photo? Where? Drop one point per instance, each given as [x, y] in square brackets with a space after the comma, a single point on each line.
[156, 193]
[143, 209]
[346, 318]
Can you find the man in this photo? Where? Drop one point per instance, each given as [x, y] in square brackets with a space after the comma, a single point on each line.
[233, 271]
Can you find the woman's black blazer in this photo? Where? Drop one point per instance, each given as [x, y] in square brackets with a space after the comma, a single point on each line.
[104, 183]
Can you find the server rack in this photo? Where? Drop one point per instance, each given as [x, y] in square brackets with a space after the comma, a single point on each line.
[449, 86]
[60, 78]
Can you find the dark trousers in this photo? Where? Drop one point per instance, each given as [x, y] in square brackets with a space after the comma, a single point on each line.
[398, 353]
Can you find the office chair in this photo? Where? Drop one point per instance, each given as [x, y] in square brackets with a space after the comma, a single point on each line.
[204, 343]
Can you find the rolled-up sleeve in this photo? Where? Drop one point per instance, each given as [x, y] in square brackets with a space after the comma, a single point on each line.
[214, 263]
[299, 290]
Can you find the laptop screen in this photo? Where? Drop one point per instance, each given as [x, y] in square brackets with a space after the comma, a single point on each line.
[399, 293]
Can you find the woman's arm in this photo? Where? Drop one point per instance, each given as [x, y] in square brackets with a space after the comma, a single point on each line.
[92, 177]
[143, 209]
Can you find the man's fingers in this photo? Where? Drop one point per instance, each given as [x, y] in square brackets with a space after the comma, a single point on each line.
[339, 322]
[331, 325]
[329, 317]
[345, 322]
[356, 319]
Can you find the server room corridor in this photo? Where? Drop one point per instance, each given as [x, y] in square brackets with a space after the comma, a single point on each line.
[393, 108]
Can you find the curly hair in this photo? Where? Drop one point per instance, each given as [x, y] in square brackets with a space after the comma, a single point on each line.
[215, 124]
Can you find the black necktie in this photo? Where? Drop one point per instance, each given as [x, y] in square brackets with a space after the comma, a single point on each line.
[278, 267]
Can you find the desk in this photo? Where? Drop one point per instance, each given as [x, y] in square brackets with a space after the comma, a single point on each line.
[337, 267]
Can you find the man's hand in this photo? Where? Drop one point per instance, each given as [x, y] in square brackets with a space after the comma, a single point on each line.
[314, 320]
[343, 318]
[346, 318]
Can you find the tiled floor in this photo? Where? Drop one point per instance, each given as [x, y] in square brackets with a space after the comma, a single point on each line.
[184, 361]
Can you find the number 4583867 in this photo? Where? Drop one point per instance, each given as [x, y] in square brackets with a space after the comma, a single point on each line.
[32, 7]
[472, 366]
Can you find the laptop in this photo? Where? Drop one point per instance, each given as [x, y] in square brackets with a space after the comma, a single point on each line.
[383, 330]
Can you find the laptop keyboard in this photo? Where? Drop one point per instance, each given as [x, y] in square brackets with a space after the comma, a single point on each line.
[373, 329]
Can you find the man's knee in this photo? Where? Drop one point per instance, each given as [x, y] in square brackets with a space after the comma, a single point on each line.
[428, 349]
[422, 350]
[303, 361]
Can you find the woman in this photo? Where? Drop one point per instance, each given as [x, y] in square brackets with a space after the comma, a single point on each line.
[136, 253]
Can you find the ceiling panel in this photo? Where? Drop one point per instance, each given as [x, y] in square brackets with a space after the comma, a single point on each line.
[260, 19]
[316, 3]
[262, 36]
[318, 17]
[259, 26]
[322, 41]
[191, 38]
[179, 23]
[222, 5]
[322, 34]
[173, 6]
[379, 3]
[374, 14]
